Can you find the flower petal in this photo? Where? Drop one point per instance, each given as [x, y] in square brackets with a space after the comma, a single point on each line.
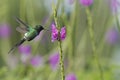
[63, 33]
[54, 34]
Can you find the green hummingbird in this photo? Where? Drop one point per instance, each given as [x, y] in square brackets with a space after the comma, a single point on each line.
[29, 33]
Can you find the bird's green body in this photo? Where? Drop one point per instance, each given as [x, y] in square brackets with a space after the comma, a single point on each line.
[31, 34]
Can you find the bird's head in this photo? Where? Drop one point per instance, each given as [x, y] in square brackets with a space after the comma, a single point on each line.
[39, 28]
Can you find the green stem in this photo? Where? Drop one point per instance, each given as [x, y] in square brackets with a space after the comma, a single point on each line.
[61, 60]
[55, 17]
[60, 45]
[117, 21]
[92, 36]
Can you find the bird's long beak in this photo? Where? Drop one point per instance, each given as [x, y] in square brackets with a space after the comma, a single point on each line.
[46, 29]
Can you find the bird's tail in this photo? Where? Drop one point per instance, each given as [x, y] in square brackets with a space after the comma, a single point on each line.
[17, 45]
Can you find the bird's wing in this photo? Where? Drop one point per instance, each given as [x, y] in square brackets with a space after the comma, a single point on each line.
[25, 26]
[21, 30]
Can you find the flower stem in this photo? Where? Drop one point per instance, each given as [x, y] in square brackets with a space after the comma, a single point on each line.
[60, 45]
[55, 17]
[92, 36]
[117, 21]
[61, 60]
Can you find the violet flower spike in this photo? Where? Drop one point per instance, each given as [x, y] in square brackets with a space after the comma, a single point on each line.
[54, 33]
[63, 33]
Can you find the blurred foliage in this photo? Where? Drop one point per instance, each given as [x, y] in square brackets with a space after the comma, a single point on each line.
[77, 46]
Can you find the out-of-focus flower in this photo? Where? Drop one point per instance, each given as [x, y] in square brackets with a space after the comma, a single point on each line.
[25, 51]
[86, 2]
[112, 36]
[37, 61]
[54, 60]
[71, 1]
[70, 76]
[55, 33]
[114, 5]
[5, 30]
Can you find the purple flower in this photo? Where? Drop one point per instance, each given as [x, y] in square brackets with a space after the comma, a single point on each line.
[5, 31]
[55, 33]
[36, 61]
[86, 2]
[54, 60]
[25, 49]
[112, 36]
[71, 1]
[114, 5]
[70, 77]
[63, 33]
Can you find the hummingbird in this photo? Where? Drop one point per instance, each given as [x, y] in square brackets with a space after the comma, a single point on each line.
[29, 33]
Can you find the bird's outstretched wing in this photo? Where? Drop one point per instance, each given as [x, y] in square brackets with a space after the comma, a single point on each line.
[25, 26]
[21, 30]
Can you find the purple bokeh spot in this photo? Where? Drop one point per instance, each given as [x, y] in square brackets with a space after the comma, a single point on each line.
[5, 30]
[36, 61]
[71, 2]
[86, 2]
[54, 60]
[112, 36]
[114, 5]
[70, 77]
[25, 49]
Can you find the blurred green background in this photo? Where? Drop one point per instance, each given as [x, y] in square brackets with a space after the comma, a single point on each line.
[33, 61]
